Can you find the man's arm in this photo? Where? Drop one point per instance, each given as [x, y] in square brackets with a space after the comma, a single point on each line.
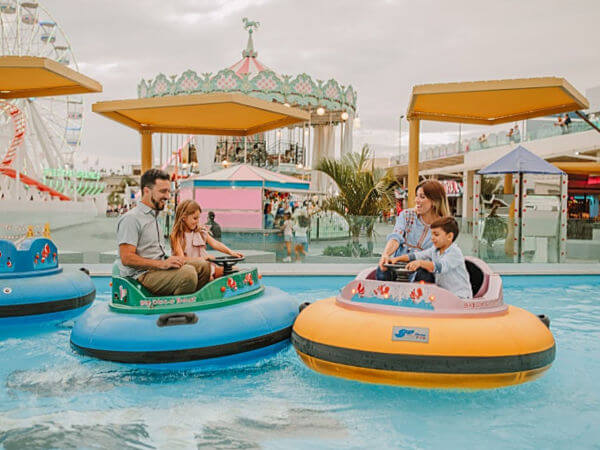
[131, 259]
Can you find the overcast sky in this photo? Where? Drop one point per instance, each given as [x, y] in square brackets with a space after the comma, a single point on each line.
[382, 48]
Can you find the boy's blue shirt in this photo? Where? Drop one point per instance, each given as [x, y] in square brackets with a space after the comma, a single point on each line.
[450, 270]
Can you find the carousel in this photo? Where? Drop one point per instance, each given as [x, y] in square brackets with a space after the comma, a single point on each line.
[332, 108]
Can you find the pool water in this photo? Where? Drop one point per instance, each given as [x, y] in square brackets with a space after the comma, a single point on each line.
[52, 397]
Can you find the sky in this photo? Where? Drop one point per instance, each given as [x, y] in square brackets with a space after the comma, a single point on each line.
[381, 48]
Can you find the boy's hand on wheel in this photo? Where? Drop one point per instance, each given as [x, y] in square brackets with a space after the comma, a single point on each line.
[413, 265]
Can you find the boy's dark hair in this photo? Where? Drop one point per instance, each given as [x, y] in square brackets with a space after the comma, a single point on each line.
[150, 176]
[448, 224]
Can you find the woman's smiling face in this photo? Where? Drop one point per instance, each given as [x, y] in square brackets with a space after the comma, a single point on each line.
[422, 203]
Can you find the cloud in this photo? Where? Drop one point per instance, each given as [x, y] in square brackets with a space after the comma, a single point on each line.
[381, 48]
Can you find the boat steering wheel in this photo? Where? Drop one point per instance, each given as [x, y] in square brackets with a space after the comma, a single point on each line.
[227, 263]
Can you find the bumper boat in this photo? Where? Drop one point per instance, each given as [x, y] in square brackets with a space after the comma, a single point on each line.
[34, 288]
[231, 320]
[421, 335]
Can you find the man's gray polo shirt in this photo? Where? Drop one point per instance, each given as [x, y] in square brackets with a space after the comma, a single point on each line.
[140, 228]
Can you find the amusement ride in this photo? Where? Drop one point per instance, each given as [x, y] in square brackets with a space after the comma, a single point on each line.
[40, 135]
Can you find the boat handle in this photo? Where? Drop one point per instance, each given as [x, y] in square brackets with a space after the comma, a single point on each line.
[167, 320]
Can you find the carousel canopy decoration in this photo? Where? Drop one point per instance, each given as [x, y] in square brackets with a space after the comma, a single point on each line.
[250, 76]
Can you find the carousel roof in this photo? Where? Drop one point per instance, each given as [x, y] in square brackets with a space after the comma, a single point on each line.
[252, 77]
[248, 176]
[249, 64]
[29, 76]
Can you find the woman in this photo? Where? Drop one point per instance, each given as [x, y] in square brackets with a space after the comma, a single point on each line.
[411, 232]
[189, 238]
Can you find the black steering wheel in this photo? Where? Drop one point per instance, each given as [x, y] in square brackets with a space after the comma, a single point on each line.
[399, 271]
[227, 263]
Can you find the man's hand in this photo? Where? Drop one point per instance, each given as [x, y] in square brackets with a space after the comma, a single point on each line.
[173, 262]
[236, 254]
[385, 259]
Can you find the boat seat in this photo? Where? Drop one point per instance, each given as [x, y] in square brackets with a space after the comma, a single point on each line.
[479, 280]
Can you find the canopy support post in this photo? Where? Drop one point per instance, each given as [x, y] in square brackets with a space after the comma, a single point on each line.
[146, 150]
[413, 160]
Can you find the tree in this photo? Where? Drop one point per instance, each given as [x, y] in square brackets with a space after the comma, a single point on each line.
[364, 192]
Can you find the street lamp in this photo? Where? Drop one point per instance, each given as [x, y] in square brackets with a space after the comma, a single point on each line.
[400, 139]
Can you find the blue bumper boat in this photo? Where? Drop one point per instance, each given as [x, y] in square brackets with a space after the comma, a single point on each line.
[33, 288]
[232, 320]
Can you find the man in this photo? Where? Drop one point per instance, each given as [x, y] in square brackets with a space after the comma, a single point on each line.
[142, 248]
[215, 228]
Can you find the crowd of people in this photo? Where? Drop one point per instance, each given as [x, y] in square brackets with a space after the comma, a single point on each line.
[292, 217]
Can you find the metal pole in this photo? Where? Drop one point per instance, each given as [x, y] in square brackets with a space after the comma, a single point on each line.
[341, 139]
[400, 139]
[245, 150]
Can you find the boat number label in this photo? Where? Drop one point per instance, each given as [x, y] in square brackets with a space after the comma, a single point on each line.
[410, 334]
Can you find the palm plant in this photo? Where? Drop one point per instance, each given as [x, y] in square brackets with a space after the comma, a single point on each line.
[364, 192]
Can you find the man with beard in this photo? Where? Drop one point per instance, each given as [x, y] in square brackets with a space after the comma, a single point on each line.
[142, 247]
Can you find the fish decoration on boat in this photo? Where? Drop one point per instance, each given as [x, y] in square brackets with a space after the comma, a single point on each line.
[231, 284]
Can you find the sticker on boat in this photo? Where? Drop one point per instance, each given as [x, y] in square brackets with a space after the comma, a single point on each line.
[410, 334]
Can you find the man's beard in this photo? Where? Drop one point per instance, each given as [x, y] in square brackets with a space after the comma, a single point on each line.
[157, 205]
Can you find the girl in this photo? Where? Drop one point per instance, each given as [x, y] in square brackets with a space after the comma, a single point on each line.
[189, 239]
[288, 229]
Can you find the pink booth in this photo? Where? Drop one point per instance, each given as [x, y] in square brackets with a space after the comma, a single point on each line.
[236, 194]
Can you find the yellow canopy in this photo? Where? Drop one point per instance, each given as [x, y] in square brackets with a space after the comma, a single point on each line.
[28, 76]
[217, 114]
[494, 102]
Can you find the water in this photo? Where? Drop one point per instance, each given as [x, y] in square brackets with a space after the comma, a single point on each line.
[54, 398]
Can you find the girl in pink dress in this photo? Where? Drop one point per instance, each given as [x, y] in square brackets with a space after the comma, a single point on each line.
[189, 238]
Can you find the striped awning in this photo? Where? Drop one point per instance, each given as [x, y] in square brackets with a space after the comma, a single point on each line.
[248, 66]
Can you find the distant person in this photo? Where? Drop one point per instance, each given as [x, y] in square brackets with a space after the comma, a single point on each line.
[483, 140]
[268, 216]
[288, 233]
[567, 122]
[517, 133]
[189, 238]
[560, 123]
[214, 227]
[510, 135]
[142, 254]
[301, 229]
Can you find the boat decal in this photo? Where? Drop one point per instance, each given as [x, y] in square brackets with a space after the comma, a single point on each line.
[410, 334]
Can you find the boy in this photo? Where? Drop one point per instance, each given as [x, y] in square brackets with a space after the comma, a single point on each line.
[444, 259]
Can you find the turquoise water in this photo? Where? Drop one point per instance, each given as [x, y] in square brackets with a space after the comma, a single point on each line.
[51, 397]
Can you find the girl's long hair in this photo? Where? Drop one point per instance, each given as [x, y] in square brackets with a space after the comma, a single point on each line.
[434, 191]
[184, 209]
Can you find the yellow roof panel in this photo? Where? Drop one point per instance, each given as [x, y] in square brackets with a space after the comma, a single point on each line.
[28, 76]
[494, 102]
[217, 114]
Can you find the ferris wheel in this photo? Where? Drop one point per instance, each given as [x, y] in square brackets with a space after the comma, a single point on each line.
[53, 125]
